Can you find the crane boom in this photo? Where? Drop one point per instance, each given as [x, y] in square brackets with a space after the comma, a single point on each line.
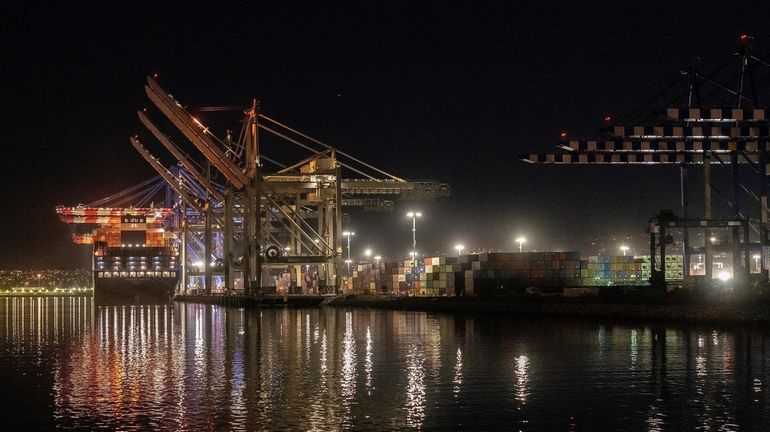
[180, 156]
[166, 175]
[186, 124]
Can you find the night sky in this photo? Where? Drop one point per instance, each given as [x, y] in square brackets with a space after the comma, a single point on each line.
[445, 91]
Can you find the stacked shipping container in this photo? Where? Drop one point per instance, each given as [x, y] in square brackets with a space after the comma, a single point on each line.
[366, 278]
[512, 273]
[440, 277]
[674, 267]
[610, 270]
[506, 273]
[396, 275]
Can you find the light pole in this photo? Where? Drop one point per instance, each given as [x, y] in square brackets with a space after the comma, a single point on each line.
[377, 259]
[414, 215]
[624, 249]
[459, 249]
[521, 241]
[756, 261]
[348, 234]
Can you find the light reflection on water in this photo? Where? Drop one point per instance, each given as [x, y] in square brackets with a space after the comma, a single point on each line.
[458, 378]
[415, 387]
[522, 378]
[67, 364]
[368, 361]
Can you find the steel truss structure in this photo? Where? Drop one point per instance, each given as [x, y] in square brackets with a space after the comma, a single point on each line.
[237, 219]
[733, 132]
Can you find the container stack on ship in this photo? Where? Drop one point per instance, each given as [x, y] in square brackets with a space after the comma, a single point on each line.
[135, 258]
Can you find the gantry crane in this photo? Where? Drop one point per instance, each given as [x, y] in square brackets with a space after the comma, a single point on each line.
[731, 134]
[289, 216]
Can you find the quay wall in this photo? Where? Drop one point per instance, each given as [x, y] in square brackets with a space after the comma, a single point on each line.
[713, 312]
[263, 301]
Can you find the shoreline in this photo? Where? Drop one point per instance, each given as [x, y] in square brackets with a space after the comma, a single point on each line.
[45, 295]
[726, 312]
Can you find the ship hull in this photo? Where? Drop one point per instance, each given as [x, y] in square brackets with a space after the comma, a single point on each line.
[134, 291]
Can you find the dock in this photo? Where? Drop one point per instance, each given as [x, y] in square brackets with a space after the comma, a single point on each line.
[270, 300]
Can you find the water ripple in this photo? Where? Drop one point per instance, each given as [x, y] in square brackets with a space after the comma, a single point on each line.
[194, 367]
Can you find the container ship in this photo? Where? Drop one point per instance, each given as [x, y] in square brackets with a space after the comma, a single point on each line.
[135, 257]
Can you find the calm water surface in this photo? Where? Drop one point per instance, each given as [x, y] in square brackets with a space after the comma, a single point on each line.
[67, 364]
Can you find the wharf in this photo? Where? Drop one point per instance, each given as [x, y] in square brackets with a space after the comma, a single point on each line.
[269, 300]
[707, 311]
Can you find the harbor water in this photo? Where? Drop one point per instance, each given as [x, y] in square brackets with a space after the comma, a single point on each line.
[67, 364]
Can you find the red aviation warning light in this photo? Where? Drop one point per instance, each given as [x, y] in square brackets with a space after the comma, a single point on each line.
[563, 134]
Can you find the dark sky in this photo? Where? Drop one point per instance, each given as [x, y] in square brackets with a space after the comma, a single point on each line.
[453, 92]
